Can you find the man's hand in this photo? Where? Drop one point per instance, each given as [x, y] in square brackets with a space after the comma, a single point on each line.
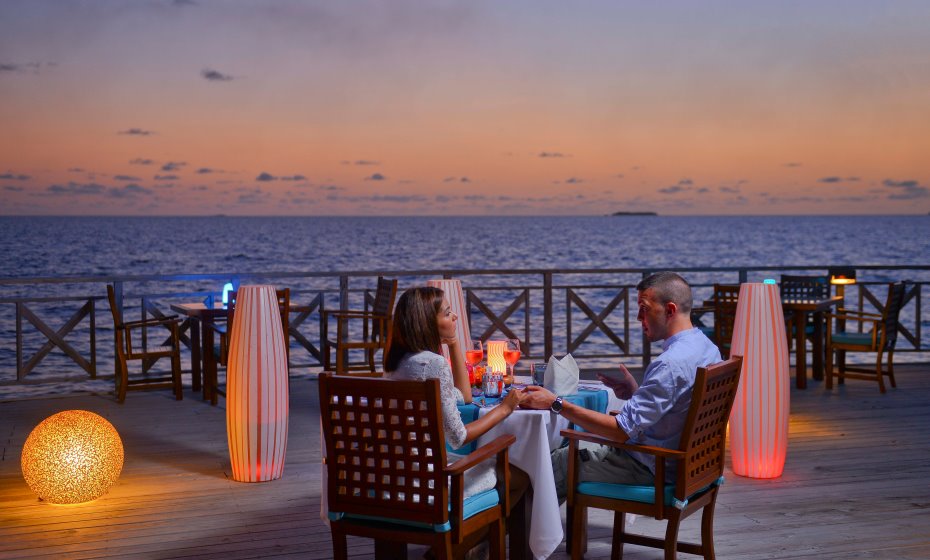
[624, 387]
[537, 397]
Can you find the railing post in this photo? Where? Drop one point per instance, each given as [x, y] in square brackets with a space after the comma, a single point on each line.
[118, 297]
[743, 276]
[343, 292]
[647, 346]
[547, 314]
[93, 338]
[19, 341]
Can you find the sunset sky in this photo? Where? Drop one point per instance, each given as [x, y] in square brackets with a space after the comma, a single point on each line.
[161, 107]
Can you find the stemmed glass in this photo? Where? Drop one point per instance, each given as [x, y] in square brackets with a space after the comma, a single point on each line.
[473, 357]
[511, 356]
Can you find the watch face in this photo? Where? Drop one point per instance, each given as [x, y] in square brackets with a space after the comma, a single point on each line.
[556, 405]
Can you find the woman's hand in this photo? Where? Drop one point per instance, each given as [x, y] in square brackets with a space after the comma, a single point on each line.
[450, 342]
[513, 399]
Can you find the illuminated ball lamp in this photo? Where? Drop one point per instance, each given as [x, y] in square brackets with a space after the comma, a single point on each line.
[72, 457]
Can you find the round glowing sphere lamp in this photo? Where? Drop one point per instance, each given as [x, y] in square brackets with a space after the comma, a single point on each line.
[72, 457]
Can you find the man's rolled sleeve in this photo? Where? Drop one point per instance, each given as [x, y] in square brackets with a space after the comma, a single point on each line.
[649, 403]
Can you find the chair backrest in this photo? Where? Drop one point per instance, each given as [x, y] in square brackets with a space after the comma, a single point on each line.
[704, 436]
[114, 308]
[384, 297]
[725, 299]
[896, 294]
[385, 448]
[795, 288]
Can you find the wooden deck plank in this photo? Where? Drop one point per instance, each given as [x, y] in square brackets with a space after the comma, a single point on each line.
[855, 485]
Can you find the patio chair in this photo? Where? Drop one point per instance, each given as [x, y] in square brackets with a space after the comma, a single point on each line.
[127, 350]
[374, 325]
[803, 288]
[221, 348]
[725, 299]
[700, 461]
[387, 477]
[880, 338]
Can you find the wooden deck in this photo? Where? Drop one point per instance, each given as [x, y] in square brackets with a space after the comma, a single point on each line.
[856, 485]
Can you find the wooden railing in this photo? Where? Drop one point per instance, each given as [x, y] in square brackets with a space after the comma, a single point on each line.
[589, 313]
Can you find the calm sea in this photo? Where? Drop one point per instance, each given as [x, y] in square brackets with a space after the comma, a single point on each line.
[57, 246]
[91, 246]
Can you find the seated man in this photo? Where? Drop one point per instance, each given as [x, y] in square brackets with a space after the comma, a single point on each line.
[655, 412]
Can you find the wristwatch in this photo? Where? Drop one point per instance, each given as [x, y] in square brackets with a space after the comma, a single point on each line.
[556, 405]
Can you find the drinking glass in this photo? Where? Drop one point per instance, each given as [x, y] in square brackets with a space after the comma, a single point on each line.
[511, 356]
[473, 357]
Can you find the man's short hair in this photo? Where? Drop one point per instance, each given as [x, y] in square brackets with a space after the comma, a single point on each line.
[669, 287]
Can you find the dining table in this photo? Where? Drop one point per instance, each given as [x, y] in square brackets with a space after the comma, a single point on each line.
[203, 364]
[538, 433]
[799, 311]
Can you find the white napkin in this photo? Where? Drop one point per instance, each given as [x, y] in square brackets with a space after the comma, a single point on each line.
[561, 375]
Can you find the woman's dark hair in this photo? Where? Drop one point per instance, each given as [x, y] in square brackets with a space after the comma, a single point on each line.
[414, 327]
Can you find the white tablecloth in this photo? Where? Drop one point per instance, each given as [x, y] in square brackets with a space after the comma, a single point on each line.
[538, 433]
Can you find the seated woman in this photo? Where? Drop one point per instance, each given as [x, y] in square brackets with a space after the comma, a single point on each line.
[423, 320]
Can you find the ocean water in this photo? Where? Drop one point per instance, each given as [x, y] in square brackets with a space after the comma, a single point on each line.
[57, 246]
[94, 246]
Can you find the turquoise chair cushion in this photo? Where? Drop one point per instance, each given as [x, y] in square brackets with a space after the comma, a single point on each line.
[634, 493]
[472, 505]
[864, 339]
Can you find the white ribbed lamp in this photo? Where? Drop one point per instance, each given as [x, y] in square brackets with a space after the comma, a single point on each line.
[456, 296]
[256, 387]
[759, 420]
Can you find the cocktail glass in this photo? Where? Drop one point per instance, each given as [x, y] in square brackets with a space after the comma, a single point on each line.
[511, 356]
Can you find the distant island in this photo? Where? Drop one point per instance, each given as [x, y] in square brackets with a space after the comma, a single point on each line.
[634, 214]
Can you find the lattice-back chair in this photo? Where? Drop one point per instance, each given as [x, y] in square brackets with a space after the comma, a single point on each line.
[880, 338]
[700, 462]
[803, 288]
[221, 348]
[387, 477]
[375, 326]
[127, 350]
[725, 299]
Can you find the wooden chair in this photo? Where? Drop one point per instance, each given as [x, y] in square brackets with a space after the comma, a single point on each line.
[220, 351]
[700, 461]
[375, 326]
[881, 338]
[387, 477]
[148, 355]
[725, 300]
[801, 288]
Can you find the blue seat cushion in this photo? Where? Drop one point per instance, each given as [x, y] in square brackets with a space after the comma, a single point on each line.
[635, 493]
[472, 505]
[862, 339]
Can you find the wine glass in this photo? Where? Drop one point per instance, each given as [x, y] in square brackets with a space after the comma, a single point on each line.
[473, 356]
[511, 356]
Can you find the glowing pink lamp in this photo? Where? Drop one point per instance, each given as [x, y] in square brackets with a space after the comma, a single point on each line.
[256, 387]
[759, 420]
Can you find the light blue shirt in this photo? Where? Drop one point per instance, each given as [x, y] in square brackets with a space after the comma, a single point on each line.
[656, 413]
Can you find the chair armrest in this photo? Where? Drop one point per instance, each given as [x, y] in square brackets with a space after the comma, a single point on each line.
[151, 322]
[353, 314]
[844, 311]
[857, 318]
[483, 453]
[219, 328]
[651, 450]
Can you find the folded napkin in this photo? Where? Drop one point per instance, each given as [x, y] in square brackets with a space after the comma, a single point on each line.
[561, 375]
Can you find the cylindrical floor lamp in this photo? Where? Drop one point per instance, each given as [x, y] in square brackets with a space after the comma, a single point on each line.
[759, 420]
[256, 387]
